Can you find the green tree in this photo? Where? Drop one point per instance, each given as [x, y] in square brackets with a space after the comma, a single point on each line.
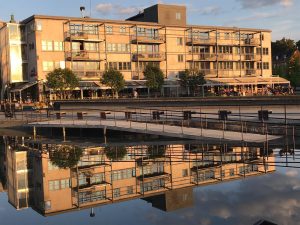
[62, 80]
[65, 156]
[283, 49]
[154, 78]
[113, 79]
[191, 80]
[115, 153]
[156, 151]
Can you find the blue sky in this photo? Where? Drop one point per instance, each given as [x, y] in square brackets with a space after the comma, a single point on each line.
[281, 16]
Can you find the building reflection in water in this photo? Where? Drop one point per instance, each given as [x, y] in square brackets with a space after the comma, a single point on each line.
[55, 178]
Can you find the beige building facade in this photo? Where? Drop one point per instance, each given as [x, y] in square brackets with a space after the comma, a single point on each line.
[227, 56]
[106, 176]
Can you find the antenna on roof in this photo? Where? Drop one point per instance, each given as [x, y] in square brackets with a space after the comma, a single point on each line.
[82, 10]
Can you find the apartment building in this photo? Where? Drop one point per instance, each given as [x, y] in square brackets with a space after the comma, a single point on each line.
[161, 174]
[228, 56]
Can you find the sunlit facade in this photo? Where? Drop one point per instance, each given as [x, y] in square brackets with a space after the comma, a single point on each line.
[227, 56]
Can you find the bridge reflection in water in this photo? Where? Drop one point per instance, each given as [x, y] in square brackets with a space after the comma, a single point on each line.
[54, 178]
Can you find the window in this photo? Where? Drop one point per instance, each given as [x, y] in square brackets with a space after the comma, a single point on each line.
[97, 178]
[47, 205]
[58, 46]
[179, 41]
[153, 185]
[51, 166]
[60, 64]
[122, 29]
[226, 36]
[91, 46]
[266, 66]
[47, 46]
[180, 58]
[59, 184]
[231, 172]
[130, 190]
[90, 29]
[178, 16]
[54, 185]
[265, 51]
[185, 172]
[123, 174]
[48, 65]
[118, 47]
[116, 192]
[119, 65]
[259, 65]
[64, 184]
[109, 29]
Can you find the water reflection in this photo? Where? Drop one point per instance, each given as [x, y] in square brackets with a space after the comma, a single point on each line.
[54, 178]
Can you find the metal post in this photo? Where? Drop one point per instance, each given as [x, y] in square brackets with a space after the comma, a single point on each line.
[34, 133]
[64, 133]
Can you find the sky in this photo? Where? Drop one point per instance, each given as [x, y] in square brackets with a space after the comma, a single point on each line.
[281, 16]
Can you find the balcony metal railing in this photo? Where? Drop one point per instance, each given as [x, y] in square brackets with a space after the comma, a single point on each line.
[88, 73]
[81, 35]
[148, 39]
[205, 57]
[149, 56]
[251, 41]
[82, 55]
[200, 41]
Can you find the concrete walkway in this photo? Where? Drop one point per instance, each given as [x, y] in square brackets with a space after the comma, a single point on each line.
[157, 129]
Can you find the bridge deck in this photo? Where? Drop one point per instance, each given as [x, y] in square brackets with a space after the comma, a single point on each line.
[157, 129]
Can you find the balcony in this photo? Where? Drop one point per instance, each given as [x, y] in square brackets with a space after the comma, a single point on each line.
[208, 72]
[251, 42]
[148, 57]
[82, 56]
[153, 176]
[225, 56]
[204, 57]
[200, 41]
[147, 39]
[89, 74]
[250, 72]
[81, 36]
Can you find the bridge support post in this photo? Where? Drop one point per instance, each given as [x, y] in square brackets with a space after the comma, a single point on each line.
[64, 133]
[104, 134]
[34, 132]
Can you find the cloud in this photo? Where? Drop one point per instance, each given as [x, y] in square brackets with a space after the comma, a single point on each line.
[209, 10]
[109, 8]
[251, 4]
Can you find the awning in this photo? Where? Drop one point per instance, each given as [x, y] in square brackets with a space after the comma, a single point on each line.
[142, 83]
[23, 86]
[90, 85]
[246, 81]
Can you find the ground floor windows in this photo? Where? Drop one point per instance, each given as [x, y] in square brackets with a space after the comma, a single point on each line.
[56, 185]
[119, 65]
[85, 197]
[153, 185]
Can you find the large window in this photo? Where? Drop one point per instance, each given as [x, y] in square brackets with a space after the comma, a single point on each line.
[91, 46]
[153, 185]
[47, 46]
[156, 168]
[48, 65]
[58, 46]
[119, 65]
[91, 66]
[118, 47]
[109, 29]
[123, 174]
[86, 28]
[85, 197]
[55, 185]
[148, 48]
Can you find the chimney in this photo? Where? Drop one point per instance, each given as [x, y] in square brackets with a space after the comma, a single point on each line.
[82, 10]
[12, 19]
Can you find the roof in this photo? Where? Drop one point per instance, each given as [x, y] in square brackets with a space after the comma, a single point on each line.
[246, 81]
[23, 86]
[133, 23]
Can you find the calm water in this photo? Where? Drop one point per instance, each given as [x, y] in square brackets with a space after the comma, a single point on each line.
[50, 182]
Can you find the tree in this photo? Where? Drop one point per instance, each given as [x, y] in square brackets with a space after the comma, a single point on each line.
[154, 78]
[191, 80]
[115, 153]
[156, 151]
[65, 156]
[62, 80]
[283, 49]
[113, 79]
